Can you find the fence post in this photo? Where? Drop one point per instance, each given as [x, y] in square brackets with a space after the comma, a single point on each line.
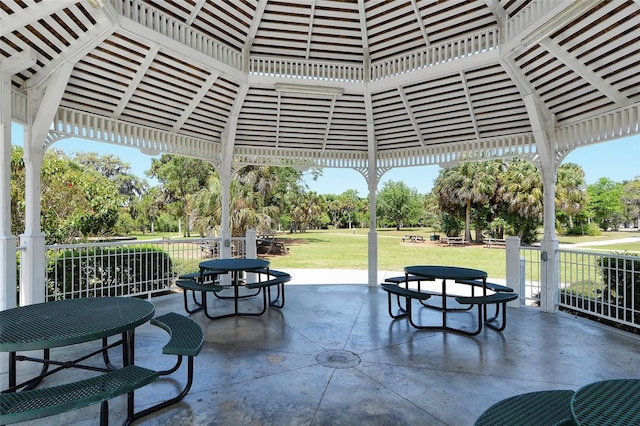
[514, 269]
[251, 249]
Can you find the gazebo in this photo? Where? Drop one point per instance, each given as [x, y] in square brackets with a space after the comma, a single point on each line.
[364, 84]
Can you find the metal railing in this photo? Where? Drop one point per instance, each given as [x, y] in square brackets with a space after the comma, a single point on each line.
[132, 268]
[602, 285]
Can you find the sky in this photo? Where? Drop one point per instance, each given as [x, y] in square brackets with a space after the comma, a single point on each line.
[617, 160]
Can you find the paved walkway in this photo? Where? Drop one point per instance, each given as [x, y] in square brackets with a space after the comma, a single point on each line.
[633, 239]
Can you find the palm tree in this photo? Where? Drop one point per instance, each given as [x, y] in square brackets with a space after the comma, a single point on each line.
[467, 185]
[247, 207]
[571, 192]
[522, 194]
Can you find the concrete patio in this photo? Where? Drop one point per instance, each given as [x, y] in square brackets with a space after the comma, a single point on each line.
[333, 356]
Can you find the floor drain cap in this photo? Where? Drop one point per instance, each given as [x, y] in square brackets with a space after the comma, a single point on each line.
[338, 358]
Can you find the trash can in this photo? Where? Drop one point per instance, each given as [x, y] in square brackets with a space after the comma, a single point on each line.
[434, 237]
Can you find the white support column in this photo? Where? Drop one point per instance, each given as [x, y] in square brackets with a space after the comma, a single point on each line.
[372, 183]
[513, 270]
[43, 104]
[549, 270]
[542, 124]
[225, 222]
[8, 241]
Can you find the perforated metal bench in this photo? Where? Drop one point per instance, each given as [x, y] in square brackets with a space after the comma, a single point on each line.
[278, 280]
[482, 301]
[402, 279]
[187, 339]
[192, 285]
[408, 295]
[37, 403]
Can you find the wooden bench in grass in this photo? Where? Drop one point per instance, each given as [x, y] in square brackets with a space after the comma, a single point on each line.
[187, 339]
[494, 242]
[37, 403]
[481, 302]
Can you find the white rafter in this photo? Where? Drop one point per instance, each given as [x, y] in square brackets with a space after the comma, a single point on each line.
[423, 30]
[328, 126]
[467, 95]
[195, 101]
[569, 60]
[135, 81]
[310, 30]
[195, 11]
[412, 117]
[366, 58]
[26, 16]
[253, 29]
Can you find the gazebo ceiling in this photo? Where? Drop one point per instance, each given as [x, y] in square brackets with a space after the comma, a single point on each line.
[331, 83]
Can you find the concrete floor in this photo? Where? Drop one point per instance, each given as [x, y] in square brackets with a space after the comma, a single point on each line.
[333, 356]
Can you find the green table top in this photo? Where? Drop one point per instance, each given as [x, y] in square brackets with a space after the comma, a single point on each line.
[68, 322]
[229, 265]
[609, 402]
[446, 272]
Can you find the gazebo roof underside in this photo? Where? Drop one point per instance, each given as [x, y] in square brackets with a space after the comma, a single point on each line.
[331, 83]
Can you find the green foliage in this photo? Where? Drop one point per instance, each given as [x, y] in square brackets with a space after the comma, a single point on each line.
[588, 229]
[98, 272]
[399, 204]
[451, 225]
[620, 278]
[76, 201]
[180, 177]
[605, 203]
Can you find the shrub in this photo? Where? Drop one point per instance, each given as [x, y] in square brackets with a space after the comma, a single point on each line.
[620, 284]
[98, 272]
[590, 229]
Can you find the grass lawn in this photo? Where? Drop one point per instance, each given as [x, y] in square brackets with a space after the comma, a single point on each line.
[347, 249]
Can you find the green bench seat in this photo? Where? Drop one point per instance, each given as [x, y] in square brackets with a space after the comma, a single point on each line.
[37, 403]
[491, 286]
[499, 299]
[192, 285]
[278, 280]
[407, 294]
[186, 339]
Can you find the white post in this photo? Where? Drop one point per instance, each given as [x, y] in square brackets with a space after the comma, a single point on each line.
[251, 251]
[549, 260]
[373, 233]
[8, 242]
[32, 276]
[513, 269]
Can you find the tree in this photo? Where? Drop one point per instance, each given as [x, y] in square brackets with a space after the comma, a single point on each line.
[113, 168]
[521, 194]
[605, 203]
[76, 201]
[468, 185]
[631, 200]
[399, 203]
[180, 177]
[571, 194]
[247, 195]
